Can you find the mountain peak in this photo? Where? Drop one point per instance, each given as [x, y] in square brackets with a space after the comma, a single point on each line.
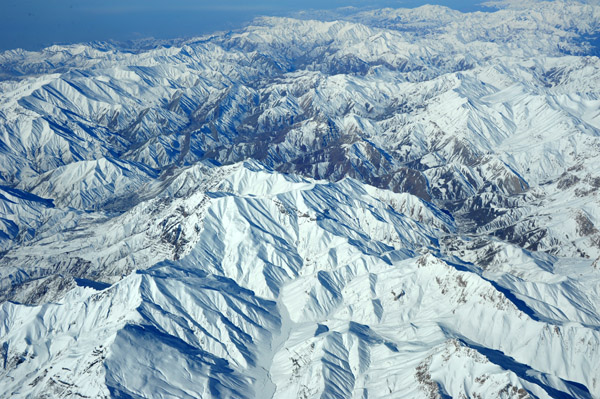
[383, 203]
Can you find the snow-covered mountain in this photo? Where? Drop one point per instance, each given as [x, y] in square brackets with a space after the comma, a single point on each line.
[394, 203]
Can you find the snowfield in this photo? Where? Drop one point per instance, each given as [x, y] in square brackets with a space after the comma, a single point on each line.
[387, 204]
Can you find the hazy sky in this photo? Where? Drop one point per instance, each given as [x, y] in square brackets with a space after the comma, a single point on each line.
[33, 24]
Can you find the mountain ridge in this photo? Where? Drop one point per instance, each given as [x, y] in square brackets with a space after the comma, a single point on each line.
[398, 203]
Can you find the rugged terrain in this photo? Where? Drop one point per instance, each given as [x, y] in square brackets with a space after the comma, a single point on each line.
[393, 203]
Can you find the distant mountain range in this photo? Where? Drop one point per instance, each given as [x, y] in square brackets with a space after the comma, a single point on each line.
[398, 203]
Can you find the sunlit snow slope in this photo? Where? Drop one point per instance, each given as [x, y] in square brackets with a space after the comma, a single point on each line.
[387, 204]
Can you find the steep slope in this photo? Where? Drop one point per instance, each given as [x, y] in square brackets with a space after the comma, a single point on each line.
[394, 203]
[299, 288]
[425, 101]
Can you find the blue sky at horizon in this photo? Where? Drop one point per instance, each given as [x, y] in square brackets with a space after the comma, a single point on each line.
[34, 24]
